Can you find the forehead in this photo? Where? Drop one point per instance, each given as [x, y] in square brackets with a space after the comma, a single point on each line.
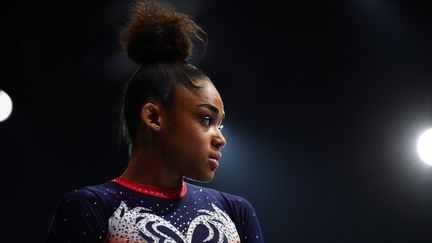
[206, 94]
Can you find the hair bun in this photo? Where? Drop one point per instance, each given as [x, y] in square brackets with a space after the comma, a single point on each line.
[157, 34]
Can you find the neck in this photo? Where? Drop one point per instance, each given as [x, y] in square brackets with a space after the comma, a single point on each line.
[146, 166]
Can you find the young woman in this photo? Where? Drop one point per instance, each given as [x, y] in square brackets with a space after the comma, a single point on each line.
[172, 115]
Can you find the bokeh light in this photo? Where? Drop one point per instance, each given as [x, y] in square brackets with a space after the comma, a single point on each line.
[424, 146]
[5, 106]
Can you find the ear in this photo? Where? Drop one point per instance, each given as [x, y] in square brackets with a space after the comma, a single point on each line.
[151, 115]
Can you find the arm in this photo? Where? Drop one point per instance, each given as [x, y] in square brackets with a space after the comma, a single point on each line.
[79, 217]
[249, 225]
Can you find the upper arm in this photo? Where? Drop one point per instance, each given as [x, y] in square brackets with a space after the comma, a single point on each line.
[244, 216]
[79, 217]
[249, 224]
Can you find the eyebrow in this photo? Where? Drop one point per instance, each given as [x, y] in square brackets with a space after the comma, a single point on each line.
[212, 108]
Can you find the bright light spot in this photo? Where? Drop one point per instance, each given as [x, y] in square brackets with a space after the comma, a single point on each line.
[5, 106]
[424, 146]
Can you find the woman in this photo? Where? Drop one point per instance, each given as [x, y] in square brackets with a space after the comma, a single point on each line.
[172, 115]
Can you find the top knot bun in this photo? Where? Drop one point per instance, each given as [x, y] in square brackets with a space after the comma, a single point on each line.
[157, 34]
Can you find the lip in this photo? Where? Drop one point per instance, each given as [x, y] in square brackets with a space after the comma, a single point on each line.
[213, 163]
[214, 160]
[215, 156]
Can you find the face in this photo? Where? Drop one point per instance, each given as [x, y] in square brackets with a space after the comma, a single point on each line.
[192, 137]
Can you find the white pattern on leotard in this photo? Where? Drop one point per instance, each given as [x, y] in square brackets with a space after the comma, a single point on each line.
[126, 225]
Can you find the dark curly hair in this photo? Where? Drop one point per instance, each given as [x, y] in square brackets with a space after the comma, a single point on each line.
[160, 41]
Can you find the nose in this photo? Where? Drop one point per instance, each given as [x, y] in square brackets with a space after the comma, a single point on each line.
[218, 140]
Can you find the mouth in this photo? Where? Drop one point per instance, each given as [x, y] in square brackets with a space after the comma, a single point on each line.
[215, 156]
[214, 160]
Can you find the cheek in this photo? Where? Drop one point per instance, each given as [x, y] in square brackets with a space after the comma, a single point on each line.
[188, 139]
[194, 142]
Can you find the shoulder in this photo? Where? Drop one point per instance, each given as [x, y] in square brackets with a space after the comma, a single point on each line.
[90, 192]
[230, 201]
[82, 215]
[88, 196]
[238, 208]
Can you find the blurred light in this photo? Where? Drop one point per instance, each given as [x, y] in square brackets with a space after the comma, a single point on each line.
[424, 146]
[5, 106]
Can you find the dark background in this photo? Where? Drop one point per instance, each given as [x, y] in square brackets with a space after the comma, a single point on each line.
[324, 103]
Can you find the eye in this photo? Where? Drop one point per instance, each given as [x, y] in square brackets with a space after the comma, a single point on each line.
[207, 121]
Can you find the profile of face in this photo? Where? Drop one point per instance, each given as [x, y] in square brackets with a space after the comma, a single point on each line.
[191, 140]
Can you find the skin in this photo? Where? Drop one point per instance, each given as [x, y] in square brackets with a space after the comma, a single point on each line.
[182, 142]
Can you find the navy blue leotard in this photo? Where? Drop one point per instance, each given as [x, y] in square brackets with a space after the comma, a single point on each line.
[125, 211]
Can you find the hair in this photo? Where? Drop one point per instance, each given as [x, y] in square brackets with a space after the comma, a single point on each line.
[159, 40]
